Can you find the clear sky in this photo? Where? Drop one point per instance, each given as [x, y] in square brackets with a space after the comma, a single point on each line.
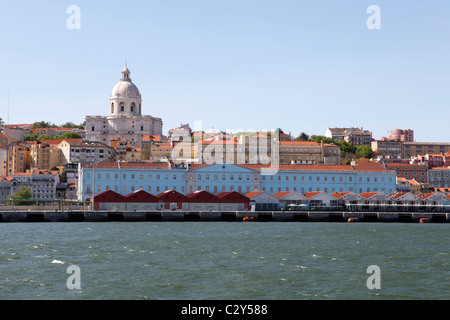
[299, 65]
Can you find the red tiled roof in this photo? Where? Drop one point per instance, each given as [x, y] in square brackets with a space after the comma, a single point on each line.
[140, 196]
[282, 194]
[202, 196]
[312, 194]
[426, 195]
[108, 196]
[232, 197]
[129, 165]
[340, 194]
[253, 193]
[368, 195]
[172, 196]
[299, 143]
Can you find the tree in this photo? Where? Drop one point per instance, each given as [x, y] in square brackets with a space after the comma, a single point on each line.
[303, 137]
[1, 122]
[69, 135]
[364, 152]
[43, 124]
[23, 193]
[30, 137]
[69, 125]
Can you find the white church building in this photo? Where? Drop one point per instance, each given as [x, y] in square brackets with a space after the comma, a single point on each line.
[125, 119]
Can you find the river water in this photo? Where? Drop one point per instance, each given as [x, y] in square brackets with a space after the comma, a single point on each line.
[224, 260]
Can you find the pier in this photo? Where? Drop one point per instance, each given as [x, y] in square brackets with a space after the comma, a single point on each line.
[225, 216]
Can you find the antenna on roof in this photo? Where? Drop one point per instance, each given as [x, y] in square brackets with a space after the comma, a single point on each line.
[7, 116]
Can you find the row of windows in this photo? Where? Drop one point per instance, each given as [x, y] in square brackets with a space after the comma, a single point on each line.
[238, 177]
[324, 178]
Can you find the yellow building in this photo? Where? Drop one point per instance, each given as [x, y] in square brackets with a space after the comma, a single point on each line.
[18, 160]
[44, 156]
[309, 152]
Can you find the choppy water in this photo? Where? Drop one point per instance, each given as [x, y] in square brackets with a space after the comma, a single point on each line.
[209, 260]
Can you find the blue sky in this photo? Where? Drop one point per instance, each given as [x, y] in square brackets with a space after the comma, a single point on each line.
[235, 64]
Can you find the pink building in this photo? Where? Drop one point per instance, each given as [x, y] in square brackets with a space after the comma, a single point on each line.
[406, 135]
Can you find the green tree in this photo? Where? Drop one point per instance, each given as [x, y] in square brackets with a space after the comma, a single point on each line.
[23, 193]
[45, 137]
[364, 152]
[30, 137]
[69, 125]
[69, 135]
[303, 137]
[43, 124]
[1, 122]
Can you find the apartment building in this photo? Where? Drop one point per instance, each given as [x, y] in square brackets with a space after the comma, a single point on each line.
[387, 148]
[406, 135]
[411, 149]
[44, 156]
[42, 182]
[357, 136]
[439, 177]
[85, 152]
[418, 172]
[18, 158]
[309, 152]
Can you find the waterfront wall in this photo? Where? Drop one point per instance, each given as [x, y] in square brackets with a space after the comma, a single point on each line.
[230, 216]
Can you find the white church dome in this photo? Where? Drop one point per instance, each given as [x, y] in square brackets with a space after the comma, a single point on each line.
[125, 88]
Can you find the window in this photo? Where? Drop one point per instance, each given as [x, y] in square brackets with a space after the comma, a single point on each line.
[199, 177]
[216, 177]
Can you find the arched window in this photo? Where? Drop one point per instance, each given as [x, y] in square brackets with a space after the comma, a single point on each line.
[112, 107]
[133, 105]
[122, 107]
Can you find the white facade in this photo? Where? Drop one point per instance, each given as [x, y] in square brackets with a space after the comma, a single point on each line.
[125, 118]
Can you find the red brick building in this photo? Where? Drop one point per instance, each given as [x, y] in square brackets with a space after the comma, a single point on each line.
[418, 172]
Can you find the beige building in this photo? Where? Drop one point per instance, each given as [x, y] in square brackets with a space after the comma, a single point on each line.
[387, 148]
[411, 149]
[85, 152]
[309, 152]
